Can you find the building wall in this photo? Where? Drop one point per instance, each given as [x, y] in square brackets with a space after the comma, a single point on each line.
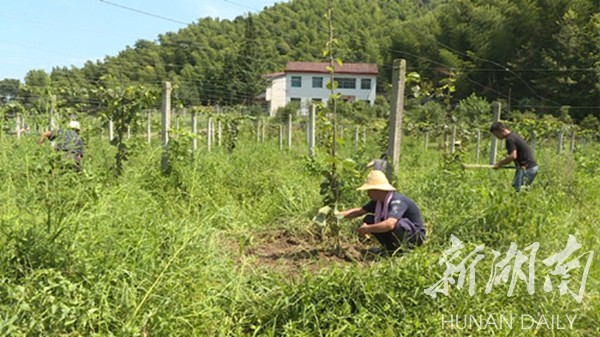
[281, 92]
[275, 95]
[306, 93]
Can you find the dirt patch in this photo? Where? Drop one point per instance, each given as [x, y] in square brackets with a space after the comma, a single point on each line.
[292, 253]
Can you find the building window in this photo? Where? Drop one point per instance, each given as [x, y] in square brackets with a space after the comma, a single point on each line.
[365, 83]
[317, 100]
[295, 99]
[296, 82]
[346, 83]
[317, 82]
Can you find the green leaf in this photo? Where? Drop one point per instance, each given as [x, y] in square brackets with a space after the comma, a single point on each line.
[322, 214]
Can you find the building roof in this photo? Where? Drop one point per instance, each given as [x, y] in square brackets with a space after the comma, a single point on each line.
[275, 75]
[321, 67]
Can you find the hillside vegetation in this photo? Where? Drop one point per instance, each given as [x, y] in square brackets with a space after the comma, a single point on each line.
[537, 55]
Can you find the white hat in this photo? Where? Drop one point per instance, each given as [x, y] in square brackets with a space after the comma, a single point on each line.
[376, 180]
[74, 125]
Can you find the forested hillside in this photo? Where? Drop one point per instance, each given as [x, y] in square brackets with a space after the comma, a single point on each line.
[538, 55]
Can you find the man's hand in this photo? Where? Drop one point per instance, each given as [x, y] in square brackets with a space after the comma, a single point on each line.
[497, 166]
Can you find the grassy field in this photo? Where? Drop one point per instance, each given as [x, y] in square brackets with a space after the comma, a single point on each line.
[225, 246]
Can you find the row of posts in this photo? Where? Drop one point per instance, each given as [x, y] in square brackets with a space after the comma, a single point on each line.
[395, 120]
[260, 130]
[494, 144]
[260, 134]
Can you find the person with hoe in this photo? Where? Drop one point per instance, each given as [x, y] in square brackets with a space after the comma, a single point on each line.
[518, 152]
[394, 219]
[379, 164]
[68, 143]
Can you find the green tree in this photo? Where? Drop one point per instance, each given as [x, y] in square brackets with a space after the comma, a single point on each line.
[250, 65]
[9, 88]
[575, 60]
[123, 106]
[36, 93]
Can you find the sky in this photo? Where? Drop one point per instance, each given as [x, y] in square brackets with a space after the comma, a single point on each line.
[42, 34]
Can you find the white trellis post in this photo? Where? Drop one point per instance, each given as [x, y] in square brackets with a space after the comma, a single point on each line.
[18, 125]
[209, 133]
[219, 133]
[560, 142]
[166, 113]
[110, 130]
[149, 126]
[280, 137]
[453, 139]
[194, 131]
[258, 130]
[445, 140]
[311, 131]
[572, 144]
[166, 123]
[52, 120]
[289, 131]
[494, 148]
[212, 131]
[478, 146]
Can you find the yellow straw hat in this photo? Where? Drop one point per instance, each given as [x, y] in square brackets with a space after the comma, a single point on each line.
[74, 125]
[376, 180]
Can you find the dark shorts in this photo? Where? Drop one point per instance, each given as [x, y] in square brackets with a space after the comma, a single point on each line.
[405, 233]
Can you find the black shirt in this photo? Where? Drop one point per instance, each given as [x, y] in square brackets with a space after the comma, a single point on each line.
[524, 153]
[400, 207]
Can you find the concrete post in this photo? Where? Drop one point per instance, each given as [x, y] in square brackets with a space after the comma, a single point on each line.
[289, 131]
[397, 108]
[209, 134]
[166, 124]
[194, 131]
[149, 126]
[497, 106]
[166, 113]
[478, 146]
[311, 131]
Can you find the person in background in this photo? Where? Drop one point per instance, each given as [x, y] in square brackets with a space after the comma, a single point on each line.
[394, 219]
[380, 165]
[520, 153]
[68, 143]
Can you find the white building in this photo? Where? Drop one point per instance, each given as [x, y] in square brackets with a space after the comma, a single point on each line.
[306, 82]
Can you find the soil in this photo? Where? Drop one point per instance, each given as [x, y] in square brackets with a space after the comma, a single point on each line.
[291, 253]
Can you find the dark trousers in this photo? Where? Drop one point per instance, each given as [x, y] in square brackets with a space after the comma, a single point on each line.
[405, 233]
